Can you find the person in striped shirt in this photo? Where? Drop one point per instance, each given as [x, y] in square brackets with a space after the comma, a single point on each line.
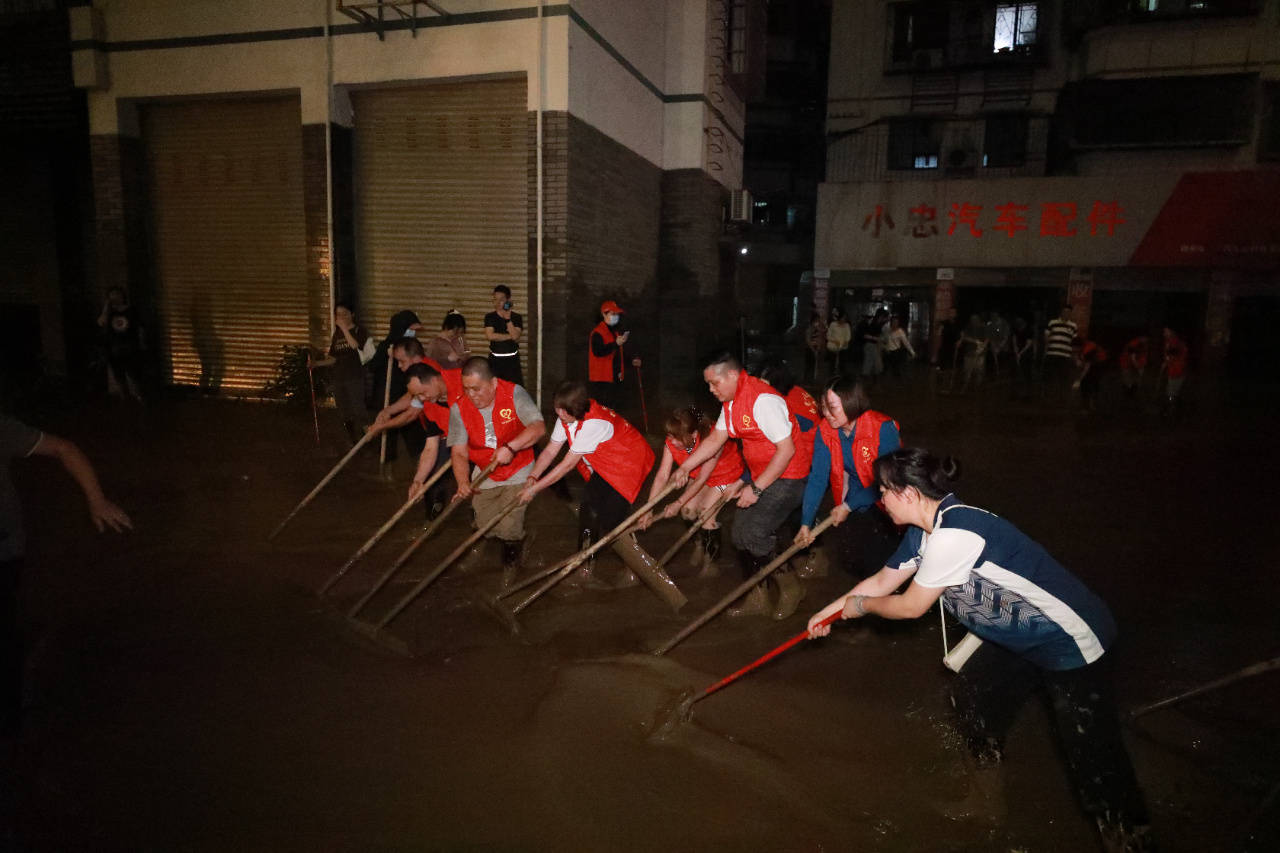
[1059, 364]
[1042, 630]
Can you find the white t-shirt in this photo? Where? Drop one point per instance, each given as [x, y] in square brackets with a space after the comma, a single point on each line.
[771, 415]
[587, 435]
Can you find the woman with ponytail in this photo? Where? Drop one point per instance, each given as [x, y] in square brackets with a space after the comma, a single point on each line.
[1041, 631]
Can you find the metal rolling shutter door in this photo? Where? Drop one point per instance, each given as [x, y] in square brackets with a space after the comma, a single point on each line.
[442, 202]
[230, 244]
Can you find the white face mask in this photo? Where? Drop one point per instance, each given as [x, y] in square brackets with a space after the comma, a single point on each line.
[611, 319]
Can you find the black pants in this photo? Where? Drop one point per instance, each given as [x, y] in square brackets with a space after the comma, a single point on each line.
[602, 508]
[992, 688]
[414, 440]
[10, 648]
[507, 367]
[864, 542]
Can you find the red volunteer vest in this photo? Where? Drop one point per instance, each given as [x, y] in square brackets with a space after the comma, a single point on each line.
[436, 414]
[757, 449]
[600, 367]
[623, 461]
[866, 449]
[728, 467]
[506, 426]
[1135, 354]
[1175, 354]
[801, 403]
[452, 378]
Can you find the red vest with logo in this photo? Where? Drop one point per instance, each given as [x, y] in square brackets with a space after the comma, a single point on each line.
[757, 449]
[600, 367]
[623, 461]
[728, 468]
[866, 449]
[801, 404]
[506, 426]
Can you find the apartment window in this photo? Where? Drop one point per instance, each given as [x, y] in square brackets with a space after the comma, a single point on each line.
[913, 144]
[736, 36]
[919, 29]
[1162, 111]
[1004, 141]
[1015, 27]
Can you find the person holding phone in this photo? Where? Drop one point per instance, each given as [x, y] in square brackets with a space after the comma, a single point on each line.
[503, 328]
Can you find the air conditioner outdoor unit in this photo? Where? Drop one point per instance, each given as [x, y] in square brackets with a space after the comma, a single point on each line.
[925, 59]
[740, 206]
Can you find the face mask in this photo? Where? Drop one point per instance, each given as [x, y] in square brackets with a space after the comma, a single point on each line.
[612, 319]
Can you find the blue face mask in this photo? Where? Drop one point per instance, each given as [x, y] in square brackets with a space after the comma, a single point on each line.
[612, 319]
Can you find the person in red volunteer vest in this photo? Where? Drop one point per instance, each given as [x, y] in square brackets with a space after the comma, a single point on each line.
[426, 390]
[1091, 359]
[851, 436]
[408, 408]
[605, 360]
[614, 458]
[753, 412]
[808, 562]
[1133, 364]
[1174, 367]
[494, 418]
[686, 429]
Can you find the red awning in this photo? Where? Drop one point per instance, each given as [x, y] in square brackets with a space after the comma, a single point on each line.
[1216, 219]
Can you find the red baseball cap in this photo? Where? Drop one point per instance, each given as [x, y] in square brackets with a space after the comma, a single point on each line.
[610, 307]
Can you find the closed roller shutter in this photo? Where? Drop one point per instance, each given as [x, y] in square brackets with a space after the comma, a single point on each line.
[230, 244]
[441, 202]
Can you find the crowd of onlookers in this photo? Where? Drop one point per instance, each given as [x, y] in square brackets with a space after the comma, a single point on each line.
[1053, 360]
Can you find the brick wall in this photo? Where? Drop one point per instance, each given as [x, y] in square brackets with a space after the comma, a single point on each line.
[119, 214]
[618, 227]
[697, 312]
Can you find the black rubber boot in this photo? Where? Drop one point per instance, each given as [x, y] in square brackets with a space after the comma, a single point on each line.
[756, 602]
[699, 551]
[584, 577]
[511, 553]
[354, 433]
[710, 568]
[790, 593]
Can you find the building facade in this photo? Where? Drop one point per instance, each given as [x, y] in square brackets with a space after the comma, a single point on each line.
[254, 161]
[1119, 156]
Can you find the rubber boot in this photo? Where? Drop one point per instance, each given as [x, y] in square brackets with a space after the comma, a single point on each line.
[710, 553]
[584, 577]
[698, 554]
[790, 593]
[1118, 836]
[984, 799]
[811, 565]
[645, 566]
[354, 433]
[511, 552]
[756, 602]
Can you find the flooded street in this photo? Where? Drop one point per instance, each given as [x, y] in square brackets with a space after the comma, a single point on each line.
[189, 691]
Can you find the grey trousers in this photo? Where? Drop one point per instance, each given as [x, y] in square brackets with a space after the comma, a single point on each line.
[755, 529]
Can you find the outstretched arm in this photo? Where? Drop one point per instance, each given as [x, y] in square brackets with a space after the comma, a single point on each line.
[102, 512]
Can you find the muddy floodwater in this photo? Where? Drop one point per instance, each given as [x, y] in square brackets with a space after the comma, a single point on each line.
[187, 689]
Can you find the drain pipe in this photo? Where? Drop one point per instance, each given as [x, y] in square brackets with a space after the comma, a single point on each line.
[538, 153]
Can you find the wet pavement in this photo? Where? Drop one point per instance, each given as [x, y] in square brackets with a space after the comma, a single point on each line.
[188, 690]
